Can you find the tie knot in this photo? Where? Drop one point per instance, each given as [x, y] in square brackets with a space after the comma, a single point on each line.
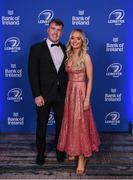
[55, 44]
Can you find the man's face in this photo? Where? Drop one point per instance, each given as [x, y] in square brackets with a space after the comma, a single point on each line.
[54, 32]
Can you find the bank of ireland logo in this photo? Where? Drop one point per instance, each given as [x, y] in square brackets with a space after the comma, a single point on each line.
[12, 44]
[45, 16]
[114, 70]
[10, 12]
[15, 95]
[81, 19]
[10, 19]
[116, 17]
[15, 119]
[112, 118]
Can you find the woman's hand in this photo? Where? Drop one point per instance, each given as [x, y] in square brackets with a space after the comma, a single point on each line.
[86, 104]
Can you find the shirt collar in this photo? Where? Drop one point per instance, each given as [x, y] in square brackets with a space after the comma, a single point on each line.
[49, 42]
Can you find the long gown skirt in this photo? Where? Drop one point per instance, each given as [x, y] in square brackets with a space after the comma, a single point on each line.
[78, 133]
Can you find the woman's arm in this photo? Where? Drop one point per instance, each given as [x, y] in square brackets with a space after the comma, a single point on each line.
[89, 74]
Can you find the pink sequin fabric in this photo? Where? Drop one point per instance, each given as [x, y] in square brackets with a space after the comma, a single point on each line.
[78, 131]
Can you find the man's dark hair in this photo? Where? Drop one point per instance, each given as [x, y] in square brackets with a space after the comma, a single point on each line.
[57, 21]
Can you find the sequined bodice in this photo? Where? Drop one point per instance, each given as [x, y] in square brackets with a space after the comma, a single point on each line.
[75, 74]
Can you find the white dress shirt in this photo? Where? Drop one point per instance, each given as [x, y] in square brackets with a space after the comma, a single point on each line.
[56, 53]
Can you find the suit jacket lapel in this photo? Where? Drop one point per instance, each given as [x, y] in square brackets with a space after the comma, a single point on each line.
[49, 55]
[50, 58]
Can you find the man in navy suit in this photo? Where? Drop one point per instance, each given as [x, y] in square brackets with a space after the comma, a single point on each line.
[48, 80]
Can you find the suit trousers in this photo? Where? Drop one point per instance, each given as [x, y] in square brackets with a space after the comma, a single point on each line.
[57, 104]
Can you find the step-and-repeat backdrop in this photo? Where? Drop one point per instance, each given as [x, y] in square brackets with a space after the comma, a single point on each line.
[108, 28]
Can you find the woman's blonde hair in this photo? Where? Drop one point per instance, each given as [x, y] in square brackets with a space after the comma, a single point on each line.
[83, 51]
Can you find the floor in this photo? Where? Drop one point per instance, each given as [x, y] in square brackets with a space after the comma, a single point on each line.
[18, 152]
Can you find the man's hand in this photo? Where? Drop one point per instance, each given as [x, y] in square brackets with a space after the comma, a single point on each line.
[39, 101]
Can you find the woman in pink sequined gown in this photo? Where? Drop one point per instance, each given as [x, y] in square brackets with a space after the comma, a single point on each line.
[78, 135]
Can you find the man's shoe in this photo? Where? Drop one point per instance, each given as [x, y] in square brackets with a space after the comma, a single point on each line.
[60, 156]
[40, 159]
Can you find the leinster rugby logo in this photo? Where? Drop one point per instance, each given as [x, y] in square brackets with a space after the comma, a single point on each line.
[12, 44]
[51, 120]
[116, 17]
[112, 118]
[114, 70]
[15, 95]
[45, 16]
[87, 43]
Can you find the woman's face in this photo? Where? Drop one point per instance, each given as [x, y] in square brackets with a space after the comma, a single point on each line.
[76, 40]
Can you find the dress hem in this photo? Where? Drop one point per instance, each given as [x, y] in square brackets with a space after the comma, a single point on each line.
[78, 154]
